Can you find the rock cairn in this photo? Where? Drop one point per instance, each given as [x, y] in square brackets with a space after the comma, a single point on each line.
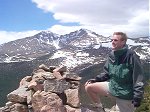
[47, 89]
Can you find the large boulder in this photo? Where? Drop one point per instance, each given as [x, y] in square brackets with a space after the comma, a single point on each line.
[73, 97]
[19, 95]
[47, 102]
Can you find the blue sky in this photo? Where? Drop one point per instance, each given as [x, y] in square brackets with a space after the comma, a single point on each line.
[22, 18]
[22, 15]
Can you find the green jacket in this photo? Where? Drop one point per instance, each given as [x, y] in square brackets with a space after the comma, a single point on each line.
[124, 72]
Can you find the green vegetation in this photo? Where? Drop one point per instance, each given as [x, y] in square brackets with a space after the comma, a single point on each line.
[10, 76]
[145, 105]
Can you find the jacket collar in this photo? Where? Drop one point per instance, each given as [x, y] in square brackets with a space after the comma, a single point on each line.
[116, 54]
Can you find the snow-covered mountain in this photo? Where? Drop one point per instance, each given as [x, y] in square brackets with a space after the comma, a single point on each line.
[29, 48]
[76, 48]
[83, 38]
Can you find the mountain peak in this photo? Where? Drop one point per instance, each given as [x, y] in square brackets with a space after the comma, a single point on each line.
[47, 33]
[86, 30]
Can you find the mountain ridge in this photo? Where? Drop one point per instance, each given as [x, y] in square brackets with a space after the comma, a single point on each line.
[45, 42]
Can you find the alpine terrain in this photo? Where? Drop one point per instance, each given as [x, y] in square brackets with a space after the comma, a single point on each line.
[82, 51]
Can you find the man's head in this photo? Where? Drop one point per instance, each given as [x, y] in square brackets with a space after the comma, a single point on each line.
[118, 40]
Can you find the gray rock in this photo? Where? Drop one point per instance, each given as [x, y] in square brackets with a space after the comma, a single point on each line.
[17, 107]
[56, 86]
[72, 76]
[19, 95]
[73, 97]
[48, 75]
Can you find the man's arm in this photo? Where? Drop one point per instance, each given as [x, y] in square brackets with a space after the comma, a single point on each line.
[102, 77]
[138, 80]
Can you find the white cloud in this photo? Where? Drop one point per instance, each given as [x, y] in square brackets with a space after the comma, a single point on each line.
[141, 18]
[10, 36]
[104, 17]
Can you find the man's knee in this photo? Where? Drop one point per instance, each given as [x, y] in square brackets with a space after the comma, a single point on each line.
[88, 88]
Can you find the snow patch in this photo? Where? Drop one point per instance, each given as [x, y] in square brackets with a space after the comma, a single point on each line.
[92, 35]
[109, 45]
[131, 42]
[141, 55]
[56, 44]
[80, 54]
[74, 59]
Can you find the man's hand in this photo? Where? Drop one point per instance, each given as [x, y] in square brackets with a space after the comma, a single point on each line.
[90, 81]
[136, 102]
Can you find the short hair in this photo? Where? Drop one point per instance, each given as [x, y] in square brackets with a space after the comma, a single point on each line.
[123, 35]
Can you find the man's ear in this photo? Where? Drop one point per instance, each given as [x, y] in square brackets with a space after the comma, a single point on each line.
[123, 42]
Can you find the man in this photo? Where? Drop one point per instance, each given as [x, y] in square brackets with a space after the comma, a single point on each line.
[122, 78]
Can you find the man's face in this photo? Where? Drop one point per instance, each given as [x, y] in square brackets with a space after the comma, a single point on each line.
[117, 43]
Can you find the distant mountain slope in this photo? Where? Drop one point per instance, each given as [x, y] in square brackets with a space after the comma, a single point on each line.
[74, 43]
